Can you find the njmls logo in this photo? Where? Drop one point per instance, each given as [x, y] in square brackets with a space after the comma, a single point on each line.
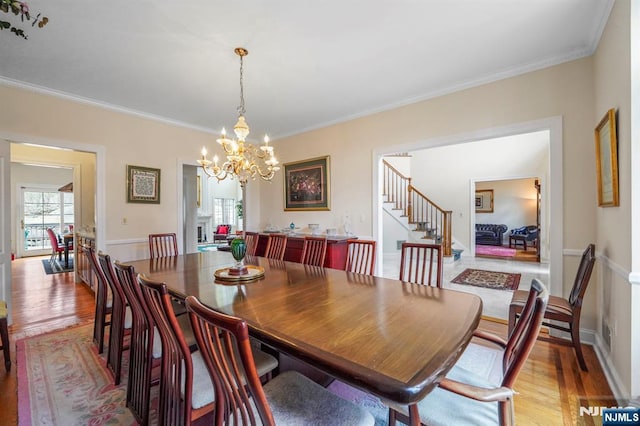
[621, 416]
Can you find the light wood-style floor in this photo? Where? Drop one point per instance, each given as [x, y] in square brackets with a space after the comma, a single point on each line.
[551, 385]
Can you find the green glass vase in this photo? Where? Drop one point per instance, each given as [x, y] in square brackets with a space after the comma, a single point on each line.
[238, 251]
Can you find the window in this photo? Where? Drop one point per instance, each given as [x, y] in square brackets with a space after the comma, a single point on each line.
[224, 211]
[45, 209]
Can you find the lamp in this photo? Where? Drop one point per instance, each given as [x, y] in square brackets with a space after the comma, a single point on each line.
[243, 159]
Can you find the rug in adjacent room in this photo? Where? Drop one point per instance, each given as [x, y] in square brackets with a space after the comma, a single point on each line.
[57, 266]
[63, 381]
[498, 251]
[488, 279]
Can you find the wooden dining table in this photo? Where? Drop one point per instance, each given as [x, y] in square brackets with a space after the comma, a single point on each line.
[393, 339]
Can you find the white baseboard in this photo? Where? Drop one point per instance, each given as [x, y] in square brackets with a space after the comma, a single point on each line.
[618, 388]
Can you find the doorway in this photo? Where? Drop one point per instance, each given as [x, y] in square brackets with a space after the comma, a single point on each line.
[512, 203]
[552, 197]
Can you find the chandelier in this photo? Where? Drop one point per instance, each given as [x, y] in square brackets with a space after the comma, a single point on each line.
[244, 160]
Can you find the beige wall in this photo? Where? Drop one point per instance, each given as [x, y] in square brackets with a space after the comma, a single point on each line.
[613, 224]
[125, 139]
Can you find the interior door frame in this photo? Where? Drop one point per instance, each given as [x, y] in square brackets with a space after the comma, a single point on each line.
[6, 139]
[555, 184]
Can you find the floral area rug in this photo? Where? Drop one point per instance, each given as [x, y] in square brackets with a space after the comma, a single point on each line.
[63, 381]
[488, 279]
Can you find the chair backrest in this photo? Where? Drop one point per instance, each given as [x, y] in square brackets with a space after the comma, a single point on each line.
[161, 245]
[176, 377]
[421, 264]
[251, 238]
[53, 238]
[140, 346]
[101, 291]
[525, 333]
[224, 343]
[583, 276]
[276, 245]
[314, 251]
[361, 256]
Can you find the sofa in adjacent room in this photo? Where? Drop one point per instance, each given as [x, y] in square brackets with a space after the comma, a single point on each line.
[490, 234]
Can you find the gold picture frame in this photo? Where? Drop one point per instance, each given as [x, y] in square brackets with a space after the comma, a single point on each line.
[307, 184]
[484, 201]
[607, 160]
[143, 185]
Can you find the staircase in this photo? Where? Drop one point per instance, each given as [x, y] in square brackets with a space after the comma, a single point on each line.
[426, 218]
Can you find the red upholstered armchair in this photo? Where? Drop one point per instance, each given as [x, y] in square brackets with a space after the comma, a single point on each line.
[222, 232]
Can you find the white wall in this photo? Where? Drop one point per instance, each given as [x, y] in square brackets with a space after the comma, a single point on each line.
[447, 175]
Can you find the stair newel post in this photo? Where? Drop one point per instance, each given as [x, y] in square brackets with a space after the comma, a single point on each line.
[447, 233]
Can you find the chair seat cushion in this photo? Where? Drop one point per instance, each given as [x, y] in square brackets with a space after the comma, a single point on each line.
[296, 400]
[444, 408]
[557, 306]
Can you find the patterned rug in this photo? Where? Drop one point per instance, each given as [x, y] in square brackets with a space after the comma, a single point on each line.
[488, 279]
[63, 381]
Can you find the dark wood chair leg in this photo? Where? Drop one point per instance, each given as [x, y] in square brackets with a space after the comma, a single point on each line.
[575, 338]
[4, 335]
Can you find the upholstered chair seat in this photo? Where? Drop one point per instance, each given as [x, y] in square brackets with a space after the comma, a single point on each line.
[297, 400]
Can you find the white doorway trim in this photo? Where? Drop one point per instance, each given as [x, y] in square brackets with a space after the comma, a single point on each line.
[555, 184]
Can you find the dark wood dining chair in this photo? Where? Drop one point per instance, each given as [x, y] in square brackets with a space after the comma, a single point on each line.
[162, 245]
[186, 394]
[104, 301]
[314, 251]
[289, 398]
[276, 245]
[421, 264]
[145, 347]
[361, 256]
[566, 311]
[251, 239]
[466, 398]
[120, 316]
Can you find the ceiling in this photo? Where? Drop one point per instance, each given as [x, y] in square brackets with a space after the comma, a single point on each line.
[310, 64]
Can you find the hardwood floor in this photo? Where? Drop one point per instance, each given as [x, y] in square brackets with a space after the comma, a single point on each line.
[551, 385]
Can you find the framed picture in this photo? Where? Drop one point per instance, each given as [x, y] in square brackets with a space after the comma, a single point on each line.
[484, 201]
[143, 185]
[307, 185]
[607, 160]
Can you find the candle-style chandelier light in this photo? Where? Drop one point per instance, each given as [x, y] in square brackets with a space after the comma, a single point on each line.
[244, 160]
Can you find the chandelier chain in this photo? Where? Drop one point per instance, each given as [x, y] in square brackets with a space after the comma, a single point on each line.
[241, 110]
